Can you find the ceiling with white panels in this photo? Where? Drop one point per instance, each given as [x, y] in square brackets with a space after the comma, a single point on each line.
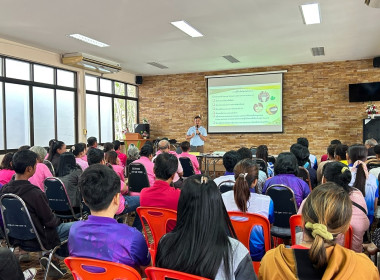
[256, 32]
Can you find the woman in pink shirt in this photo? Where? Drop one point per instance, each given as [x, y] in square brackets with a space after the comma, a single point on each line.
[340, 174]
[79, 151]
[6, 170]
[112, 158]
[42, 171]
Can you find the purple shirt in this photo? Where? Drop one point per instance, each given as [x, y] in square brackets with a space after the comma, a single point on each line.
[300, 188]
[105, 239]
[149, 165]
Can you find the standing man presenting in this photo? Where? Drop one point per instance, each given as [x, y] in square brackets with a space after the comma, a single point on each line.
[197, 135]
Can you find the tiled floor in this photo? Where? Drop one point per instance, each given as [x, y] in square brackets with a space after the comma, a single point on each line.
[40, 274]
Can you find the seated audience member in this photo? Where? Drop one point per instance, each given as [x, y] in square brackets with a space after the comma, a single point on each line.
[230, 159]
[79, 150]
[161, 194]
[101, 236]
[164, 147]
[48, 226]
[302, 156]
[340, 153]
[326, 156]
[56, 149]
[23, 147]
[112, 159]
[92, 142]
[370, 144]
[10, 268]
[204, 231]
[245, 198]
[247, 153]
[121, 156]
[285, 171]
[375, 171]
[362, 180]
[42, 171]
[326, 214]
[6, 169]
[313, 159]
[340, 174]
[108, 146]
[262, 152]
[330, 153]
[133, 152]
[69, 173]
[127, 203]
[185, 148]
[146, 155]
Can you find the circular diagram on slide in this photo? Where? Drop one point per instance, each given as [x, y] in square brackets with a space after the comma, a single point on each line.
[264, 96]
[258, 107]
[271, 109]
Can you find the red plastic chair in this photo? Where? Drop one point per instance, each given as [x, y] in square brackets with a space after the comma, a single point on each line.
[157, 220]
[155, 273]
[108, 270]
[296, 221]
[243, 224]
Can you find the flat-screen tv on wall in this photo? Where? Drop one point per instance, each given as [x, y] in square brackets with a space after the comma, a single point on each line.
[364, 92]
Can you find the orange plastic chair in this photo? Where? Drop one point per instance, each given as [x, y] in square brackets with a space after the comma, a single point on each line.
[108, 270]
[155, 273]
[243, 224]
[296, 221]
[157, 220]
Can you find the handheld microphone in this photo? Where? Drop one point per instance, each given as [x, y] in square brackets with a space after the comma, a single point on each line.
[197, 126]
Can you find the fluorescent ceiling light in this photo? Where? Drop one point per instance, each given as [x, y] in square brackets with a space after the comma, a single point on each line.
[158, 65]
[89, 40]
[188, 29]
[310, 13]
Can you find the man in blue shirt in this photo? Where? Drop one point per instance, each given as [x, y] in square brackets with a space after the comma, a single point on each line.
[197, 135]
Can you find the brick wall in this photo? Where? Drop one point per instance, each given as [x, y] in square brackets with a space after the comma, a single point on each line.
[315, 105]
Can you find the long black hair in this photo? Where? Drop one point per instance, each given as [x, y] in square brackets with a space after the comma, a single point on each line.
[359, 152]
[54, 146]
[67, 164]
[199, 242]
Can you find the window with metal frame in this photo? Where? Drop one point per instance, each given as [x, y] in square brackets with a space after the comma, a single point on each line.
[111, 108]
[38, 102]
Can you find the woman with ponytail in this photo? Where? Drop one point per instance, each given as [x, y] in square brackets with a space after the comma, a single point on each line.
[340, 174]
[79, 150]
[326, 214]
[362, 180]
[245, 198]
[55, 150]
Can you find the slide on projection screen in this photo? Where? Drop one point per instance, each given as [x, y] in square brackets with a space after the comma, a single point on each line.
[245, 103]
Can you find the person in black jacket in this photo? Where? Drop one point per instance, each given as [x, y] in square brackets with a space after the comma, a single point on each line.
[48, 226]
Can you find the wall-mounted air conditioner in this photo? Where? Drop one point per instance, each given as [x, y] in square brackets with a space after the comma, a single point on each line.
[373, 3]
[90, 62]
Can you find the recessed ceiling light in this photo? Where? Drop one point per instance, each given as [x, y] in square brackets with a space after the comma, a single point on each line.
[158, 65]
[310, 13]
[187, 28]
[88, 40]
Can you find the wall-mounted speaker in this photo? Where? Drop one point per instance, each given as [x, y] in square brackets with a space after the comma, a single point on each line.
[139, 80]
[376, 62]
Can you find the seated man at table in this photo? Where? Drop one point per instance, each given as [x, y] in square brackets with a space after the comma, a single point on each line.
[230, 159]
[101, 236]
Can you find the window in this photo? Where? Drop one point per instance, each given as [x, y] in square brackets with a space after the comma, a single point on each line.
[111, 108]
[37, 104]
